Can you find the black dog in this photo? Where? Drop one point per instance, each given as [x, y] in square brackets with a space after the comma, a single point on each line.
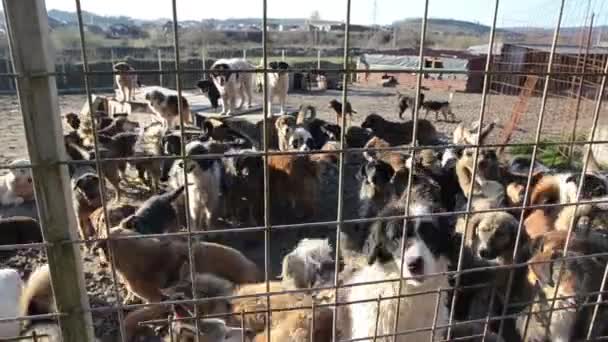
[208, 88]
[156, 215]
[406, 102]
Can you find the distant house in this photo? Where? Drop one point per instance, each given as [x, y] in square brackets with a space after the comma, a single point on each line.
[320, 25]
[125, 31]
[94, 29]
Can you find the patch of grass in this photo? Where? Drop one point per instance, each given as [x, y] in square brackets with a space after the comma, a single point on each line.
[551, 155]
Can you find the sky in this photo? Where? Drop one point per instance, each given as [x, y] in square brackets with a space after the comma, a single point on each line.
[511, 12]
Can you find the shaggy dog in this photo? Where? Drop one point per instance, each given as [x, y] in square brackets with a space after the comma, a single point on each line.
[309, 265]
[156, 215]
[426, 253]
[16, 186]
[278, 85]
[125, 82]
[337, 107]
[232, 84]
[400, 133]
[208, 88]
[166, 108]
[405, 102]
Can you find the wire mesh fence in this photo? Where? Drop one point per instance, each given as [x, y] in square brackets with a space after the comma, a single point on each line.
[432, 237]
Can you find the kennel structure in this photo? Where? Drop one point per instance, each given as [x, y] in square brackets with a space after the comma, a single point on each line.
[35, 77]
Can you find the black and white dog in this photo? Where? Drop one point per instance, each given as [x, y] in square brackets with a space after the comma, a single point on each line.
[278, 84]
[427, 250]
[231, 83]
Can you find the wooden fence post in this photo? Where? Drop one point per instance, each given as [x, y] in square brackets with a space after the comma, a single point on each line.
[28, 29]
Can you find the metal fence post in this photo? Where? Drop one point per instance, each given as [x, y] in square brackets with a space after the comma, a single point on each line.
[28, 25]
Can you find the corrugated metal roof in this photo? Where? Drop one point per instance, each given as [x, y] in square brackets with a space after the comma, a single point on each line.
[377, 61]
[564, 49]
[483, 49]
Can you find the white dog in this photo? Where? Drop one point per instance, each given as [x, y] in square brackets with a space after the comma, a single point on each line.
[204, 184]
[231, 83]
[11, 287]
[278, 84]
[16, 187]
[425, 255]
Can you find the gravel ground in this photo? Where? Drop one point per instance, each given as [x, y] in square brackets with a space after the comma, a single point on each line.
[557, 125]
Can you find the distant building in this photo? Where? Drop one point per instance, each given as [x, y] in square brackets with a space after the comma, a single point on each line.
[122, 31]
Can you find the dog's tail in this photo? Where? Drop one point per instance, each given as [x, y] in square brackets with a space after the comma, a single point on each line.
[174, 194]
[304, 110]
[37, 297]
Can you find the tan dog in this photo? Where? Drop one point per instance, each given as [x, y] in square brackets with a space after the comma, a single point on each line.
[396, 159]
[148, 265]
[285, 126]
[126, 82]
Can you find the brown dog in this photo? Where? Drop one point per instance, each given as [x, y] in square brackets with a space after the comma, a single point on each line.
[295, 179]
[126, 82]
[86, 199]
[397, 133]
[148, 265]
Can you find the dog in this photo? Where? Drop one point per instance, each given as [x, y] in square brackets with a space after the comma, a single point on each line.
[156, 215]
[232, 84]
[400, 133]
[580, 280]
[150, 144]
[309, 265]
[396, 159]
[278, 85]
[293, 136]
[487, 192]
[151, 264]
[16, 186]
[205, 177]
[166, 108]
[297, 327]
[119, 146]
[404, 102]
[337, 107]
[443, 107]
[86, 198]
[37, 297]
[294, 180]
[125, 82]
[119, 125]
[117, 212]
[427, 252]
[376, 189]
[209, 89]
[205, 286]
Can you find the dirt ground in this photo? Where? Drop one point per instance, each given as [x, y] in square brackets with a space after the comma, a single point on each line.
[557, 125]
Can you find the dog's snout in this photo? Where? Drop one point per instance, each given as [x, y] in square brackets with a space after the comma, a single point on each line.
[415, 266]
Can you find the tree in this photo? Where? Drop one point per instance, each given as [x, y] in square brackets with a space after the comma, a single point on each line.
[315, 15]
